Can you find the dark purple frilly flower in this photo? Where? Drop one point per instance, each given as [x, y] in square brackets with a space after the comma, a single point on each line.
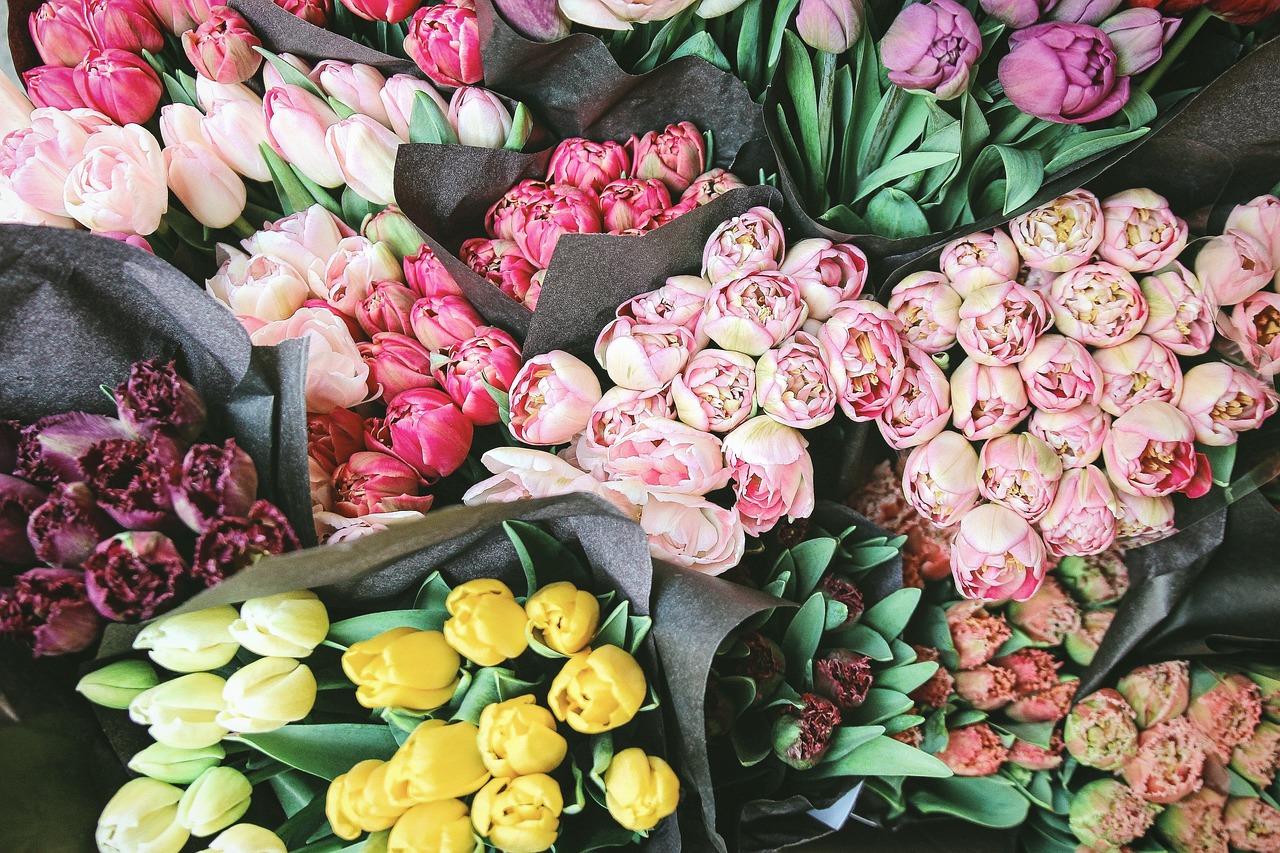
[231, 543]
[48, 610]
[132, 479]
[801, 735]
[10, 435]
[18, 499]
[154, 397]
[29, 460]
[63, 444]
[133, 576]
[215, 481]
[67, 527]
[758, 658]
[844, 677]
[837, 587]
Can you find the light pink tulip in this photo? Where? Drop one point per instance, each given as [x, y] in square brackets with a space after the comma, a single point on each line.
[205, 185]
[60, 32]
[750, 243]
[1179, 315]
[1233, 266]
[235, 129]
[306, 240]
[827, 273]
[1140, 231]
[358, 87]
[987, 401]
[1060, 374]
[667, 455]
[376, 482]
[546, 214]
[178, 16]
[1259, 219]
[1062, 235]
[397, 363]
[442, 321]
[862, 344]
[273, 79]
[337, 376]
[940, 478]
[676, 156]
[387, 308]
[444, 40]
[180, 125]
[120, 184]
[38, 159]
[617, 413]
[709, 186]
[1135, 371]
[772, 473]
[211, 92]
[999, 323]
[118, 84]
[1254, 326]
[752, 313]
[643, 357]
[489, 359]
[1098, 304]
[479, 117]
[14, 210]
[365, 152]
[629, 203]
[692, 532]
[1223, 401]
[125, 24]
[996, 555]
[429, 432]
[922, 409]
[1021, 472]
[793, 385]
[551, 398]
[590, 165]
[1149, 451]
[520, 474]
[222, 47]
[980, 259]
[53, 86]
[679, 301]
[355, 266]
[398, 96]
[1143, 520]
[716, 390]
[334, 529]
[297, 122]
[1082, 520]
[1076, 435]
[929, 309]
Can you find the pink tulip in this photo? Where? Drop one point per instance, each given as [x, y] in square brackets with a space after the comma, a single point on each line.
[1233, 266]
[1082, 519]
[375, 482]
[178, 16]
[222, 47]
[980, 259]
[479, 117]
[429, 432]
[617, 413]
[397, 363]
[996, 554]
[398, 96]
[358, 87]
[60, 32]
[530, 297]
[490, 359]
[210, 92]
[315, 12]
[296, 123]
[1149, 451]
[793, 385]
[1060, 374]
[715, 391]
[1062, 234]
[667, 455]
[1098, 304]
[1140, 232]
[1135, 371]
[305, 240]
[1020, 472]
[391, 11]
[130, 239]
[180, 125]
[680, 302]
[120, 184]
[387, 308]
[631, 203]
[1063, 72]
[940, 478]
[754, 312]
[118, 84]
[1178, 315]
[709, 186]
[235, 130]
[428, 277]
[987, 401]
[676, 156]
[442, 321]
[520, 474]
[555, 210]
[337, 376]
[772, 472]
[832, 26]
[334, 529]
[258, 286]
[39, 158]
[1254, 326]
[1076, 435]
[1138, 37]
[53, 86]
[445, 42]
[746, 244]
[205, 185]
[931, 47]
[929, 309]
[551, 398]
[1223, 401]
[365, 152]
[862, 345]
[355, 267]
[501, 263]
[999, 323]
[827, 273]
[124, 24]
[590, 165]
[922, 409]
[508, 213]
[690, 531]
[1259, 219]
[643, 357]
[1143, 520]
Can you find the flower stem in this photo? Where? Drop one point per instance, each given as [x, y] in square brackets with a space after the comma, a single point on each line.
[242, 227]
[826, 99]
[1170, 55]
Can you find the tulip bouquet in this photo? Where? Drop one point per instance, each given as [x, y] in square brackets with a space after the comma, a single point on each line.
[124, 517]
[474, 720]
[1178, 756]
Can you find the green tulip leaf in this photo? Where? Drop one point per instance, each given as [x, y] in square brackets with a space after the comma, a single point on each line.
[902, 722]
[990, 801]
[290, 75]
[639, 627]
[1037, 734]
[837, 615]
[907, 678]
[890, 616]
[521, 128]
[348, 632]
[812, 558]
[355, 208]
[900, 167]
[893, 214]
[667, 35]
[800, 642]
[613, 632]
[433, 592]
[880, 705]
[482, 693]
[327, 750]
[428, 124]
[1140, 110]
[1221, 461]
[291, 192]
[779, 30]
[797, 70]
[966, 717]
[884, 756]
[861, 639]
[703, 46]
[1088, 144]
[545, 560]
[848, 738]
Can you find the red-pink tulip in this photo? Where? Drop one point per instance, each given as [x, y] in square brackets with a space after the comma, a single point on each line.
[996, 554]
[631, 203]
[709, 186]
[314, 12]
[506, 215]
[391, 11]
[676, 156]
[118, 84]
[558, 209]
[375, 482]
[125, 24]
[60, 31]
[429, 432]
[222, 47]
[53, 86]
[490, 359]
[1063, 72]
[442, 321]
[427, 276]
[445, 42]
[590, 165]
[397, 363]
[1149, 450]
[387, 308]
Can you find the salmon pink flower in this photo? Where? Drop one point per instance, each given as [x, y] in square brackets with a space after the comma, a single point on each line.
[1227, 714]
[1048, 616]
[1082, 518]
[922, 409]
[976, 633]
[772, 471]
[1100, 732]
[977, 260]
[1106, 814]
[973, 750]
[716, 390]
[1168, 764]
[1076, 435]
[828, 273]
[590, 165]
[1157, 692]
[999, 323]
[863, 348]
[1062, 234]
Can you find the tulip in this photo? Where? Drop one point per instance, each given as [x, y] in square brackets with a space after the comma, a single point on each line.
[48, 610]
[209, 189]
[391, 11]
[978, 260]
[334, 529]
[746, 244]
[363, 800]
[191, 642]
[289, 624]
[486, 624]
[1140, 232]
[155, 397]
[399, 94]
[18, 501]
[714, 392]
[1098, 304]
[676, 156]
[1017, 13]
[375, 482]
[565, 616]
[520, 474]
[590, 165]
[133, 576]
[1232, 267]
[120, 185]
[397, 363]
[1149, 452]
[297, 122]
[1020, 472]
[1222, 401]
[598, 690]
[60, 32]
[443, 826]
[827, 273]
[1139, 37]
[216, 800]
[1099, 579]
[923, 408]
[429, 432]
[490, 359]
[176, 766]
[862, 346]
[305, 240]
[142, 817]
[336, 374]
[54, 86]
[1179, 315]
[519, 814]
[178, 16]
[832, 26]
[1075, 435]
[1062, 234]
[386, 309]
[210, 92]
[1195, 822]
[358, 87]
[996, 554]
[668, 455]
[1100, 732]
[1254, 326]
[1060, 374]
[1157, 692]
[117, 684]
[365, 152]
[1168, 764]
[1226, 715]
[1034, 757]
[987, 401]
[440, 322]
[932, 47]
[222, 47]
[444, 40]
[1259, 219]
[128, 25]
[557, 210]
[403, 668]
[1063, 72]
[235, 130]
[1047, 705]
[618, 412]
[551, 399]
[519, 738]
[259, 286]
[1089, 12]
[427, 276]
[680, 301]
[246, 838]
[182, 713]
[973, 750]
[690, 531]
[941, 478]
[773, 473]
[43, 155]
[929, 309]
[1106, 814]
[999, 323]
[1138, 370]
[976, 634]
[709, 186]
[314, 12]
[231, 543]
[642, 357]
[1083, 643]
[180, 125]
[267, 694]
[986, 687]
[793, 386]
[844, 677]
[1256, 758]
[1251, 823]
[629, 203]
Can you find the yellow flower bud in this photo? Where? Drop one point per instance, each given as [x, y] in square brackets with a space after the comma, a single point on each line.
[191, 642]
[176, 766]
[357, 801]
[142, 817]
[219, 798]
[247, 838]
[440, 827]
[116, 685]
[403, 668]
[488, 624]
[267, 695]
[439, 761]
[598, 690]
[518, 737]
[566, 616]
[288, 625]
[520, 815]
[182, 713]
[640, 790]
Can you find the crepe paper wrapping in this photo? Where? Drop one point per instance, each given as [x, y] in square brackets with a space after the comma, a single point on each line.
[733, 814]
[76, 311]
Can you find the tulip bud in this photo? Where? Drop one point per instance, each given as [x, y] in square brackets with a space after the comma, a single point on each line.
[1169, 762]
[182, 713]
[829, 25]
[1232, 267]
[1106, 814]
[206, 186]
[986, 687]
[399, 94]
[976, 634]
[1227, 714]
[296, 122]
[429, 432]
[125, 24]
[1256, 759]
[118, 84]
[844, 677]
[551, 399]
[591, 165]
[222, 47]
[267, 695]
[929, 310]
[1259, 219]
[61, 33]
[802, 735]
[1017, 13]
[1195, 823]
[236, 129]
[931, 47]
[216, 800]
[987, 401]
[479, 118]
[441, 826]
[1100, 732]
[176, 766]
[676, 156]
[1251, 823]
[444, 40]
[62, 531]
[54, 86]
[403, 668]
[391, 11]
[358, 87]
[994, 536]
[565, 616]
[640, 790]
[191, 642]
[248, 838]
[519, 738]
[750, 243]
[1077, 51]
[491, 359]
[1097, 579]
[519, 814]
[486, 624]
[365, 152]
[1082, 643]
[619, 691]
[133, 576]
[973, 750]
[155, 397]
[941, 478]
[1138, 36]
[289, 624]
[117, 684]
[142, 815]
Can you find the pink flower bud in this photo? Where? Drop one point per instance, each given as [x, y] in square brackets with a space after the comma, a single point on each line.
[235, 129]
[1082, 518]
[667, 455]
[922, 409]
[643, 357]
[1254, 326]
[591, 165]
[1060, 375]
[60, 32]
[398, 96]
[375, 482]
[133, 576]
[544, 214]
[1017, 13]
[444, 40]
[1048, 616]
[391, 11]
[118, 84]
[999, 323]
[397, 363]
[1098, 304]
[1259, 219]
[54, 86]
[49, 611]
[772, 471]
[1143, 520]
[315, 12]
[333, 437]
[428, 277]
[1140, 232]
[750, 243]
[1044, 706]
[180, 125]
[832, 26]
[1157, 692]
[429, 432]
[365, 152]
[931, 47]
[1232, 267]
[986, 687]
[1168, 763]
[676, 156]
[976, 634]
[1222, 401]
[1135, 371]
[715, 391]
[178, 16]
[127, 25]
[491, 359]
[1179, 315]
[356, 266]
[1099, 732]
[1138, 37]
[617, 413]
[337, 376]
[1061, 235]
[754, 312]
[632, 203]
[980, 259]
[442, 321]
[1149, 451]
[358, 87]
[1035, 757]
[827, 273]
[222, 47]
[793, 385]
[296, 122]
[1106, 814]
[987, 401]
[1063, 72]
[551, 398]
[387, 308]
[1076, 435]
[214, 480]
[929, 309]
[119, 185]
[1251, 822]
[690, 531]
[973, 750]
[863, 348]
[521, 473]
[996, 554]
[1020, 472]
[479, 117]
[680, 301]
[1226, 715]
[205, 185]
[1256, 759]
[506, 215]
[709, 186]
[941, 478]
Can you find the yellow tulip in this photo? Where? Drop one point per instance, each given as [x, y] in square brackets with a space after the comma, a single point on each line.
[358, 801]
[520, 815]
[598, 690]
[403, 668]
[487, 624]
[440, 827]
[518, 737]
[640, 789]
[439, 761]
[566, 616]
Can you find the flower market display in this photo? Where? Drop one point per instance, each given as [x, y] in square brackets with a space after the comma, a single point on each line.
[564, 425]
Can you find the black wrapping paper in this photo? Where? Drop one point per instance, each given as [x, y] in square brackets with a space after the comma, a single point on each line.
[77, 310]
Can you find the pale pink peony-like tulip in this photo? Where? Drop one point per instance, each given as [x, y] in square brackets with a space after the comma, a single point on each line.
[444, 40]
[306, 240]
[520, 473]
[940, 478]
[337, 376]
[1020, 472]
[1062, 234]
[1082, 519]
[1135, 371]
[1254, 326]
[1259, 219]
[680, 301]
[772, 472]
[667, 455]
[716, 390]
[1076, 435]
[551, 398]
[222, 47]
[1143, 520]
[977, 260]
[355, 267]
[1000, 322]
[827, 273]
[258, 286]
[1223, 401]
[120, 184]
[1179, 315]
[205, 185]
[750, 243]
[922, 409]
[38, 158]
[793, 385]
[862, 343]
[643, 357]
[690, 531]
[1232, 267]
[1060, 374]
[1140, 231]
[1098, 304]
[987, 401]
[996, 554]
[929, 309]
[1149, 450]
[617, 413]
[589, 165]
[753, 313]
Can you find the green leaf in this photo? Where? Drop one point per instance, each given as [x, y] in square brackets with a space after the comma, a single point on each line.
[749, 44]
[752, 743]
[837, 615]
[884, 756]
[432, 594]
[902, 722]
[348, 632]
[355, 208]
[579, 799]
[670, 30]
[848, 738]
[292, 193]
[640, 626]
[812, 558]
[989, 801]
[289, 74]
[912, 120]
[1140, 110]
[907, 678]
[1221, 461]
[1038, 734]
[790, 149]
[891, 615]
[781, 15]
[1017, 641]
[1086, 145]
[880, 705]
[177, 92]
[966, 717]
[861, 639]
[900, 167]
[844, 219]
[1024, 173]
[326, 751]
[613, 632]
[545, 559]
[797, 72]
[893, 214]
[703, 46]
[800, 642]
[482, 693]
[601, 756]
[521, 127]
[343, 111]
[428, 124]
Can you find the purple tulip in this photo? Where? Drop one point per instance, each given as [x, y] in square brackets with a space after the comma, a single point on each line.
[1139, 37]
[18, 499]
[1017, 13]
[155, 397]
[1063, 73]
[1088, 12]
[232, 543]
[830, 25]
[68, 437]
[131, 479]
[48, 610]
[215, 480]
[133, 576]
[67, 527]
[932, 46]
